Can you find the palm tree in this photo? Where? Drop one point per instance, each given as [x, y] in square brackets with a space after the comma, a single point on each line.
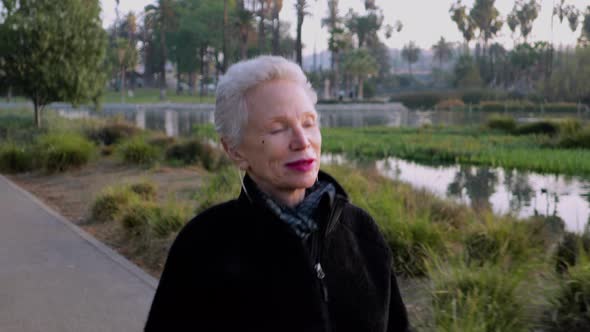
[162, 17]
[337, 41]
[443, 51]
[244, 20]
[411, 53]
[300, 8]
[276, 25]
[360, 64]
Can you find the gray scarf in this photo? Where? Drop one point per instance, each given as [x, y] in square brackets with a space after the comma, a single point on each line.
[299, 218]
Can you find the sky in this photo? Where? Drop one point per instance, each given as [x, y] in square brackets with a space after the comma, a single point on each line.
[424, 21]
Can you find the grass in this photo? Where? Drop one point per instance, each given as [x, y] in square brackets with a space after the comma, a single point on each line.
[469, 145]
[138, 151]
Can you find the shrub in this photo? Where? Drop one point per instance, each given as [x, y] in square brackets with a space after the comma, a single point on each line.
[205, 130]
[507, 105]
[15, 159]
[475, 96]
[110, 203]
[560, 107]
[450, 104]
[136, 217]
[169, 219]
[62, 151]
[112, 133]
[569, 249]
[138, 151]
[219, 187]
[538, 128]
[579, 140]
[193, 150]
[146, 190]
[420, 100]
[161, 140]
[502, 123]
[570, 307]
[483, 299]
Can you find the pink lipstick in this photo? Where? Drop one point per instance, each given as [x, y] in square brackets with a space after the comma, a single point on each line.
[301, 165]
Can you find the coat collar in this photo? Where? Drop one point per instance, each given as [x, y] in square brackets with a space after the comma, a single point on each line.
[248, 184]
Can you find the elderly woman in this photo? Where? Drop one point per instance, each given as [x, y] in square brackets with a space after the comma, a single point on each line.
[291, 253]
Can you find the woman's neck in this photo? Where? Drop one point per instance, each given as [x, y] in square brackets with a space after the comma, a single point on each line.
[288, 198]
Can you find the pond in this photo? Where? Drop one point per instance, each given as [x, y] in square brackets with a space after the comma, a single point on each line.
[522, 194]
[177, 120]
[519, 193]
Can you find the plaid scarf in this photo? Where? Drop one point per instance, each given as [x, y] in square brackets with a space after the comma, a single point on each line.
[299, 218]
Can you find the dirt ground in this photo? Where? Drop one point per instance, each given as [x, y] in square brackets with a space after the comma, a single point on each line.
[72, 194]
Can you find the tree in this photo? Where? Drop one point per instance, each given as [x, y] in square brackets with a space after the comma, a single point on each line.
[301, 10]
[411, 53]
[337, 41]
[244, 20]
[163, 19]
[464, 22]
[54, 51]
[523, 15]
[486, 19]
[360, 64]
[277, 5]
[443, 51]
[585, 33]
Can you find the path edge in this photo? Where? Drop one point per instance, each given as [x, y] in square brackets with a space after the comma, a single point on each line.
[103, 248]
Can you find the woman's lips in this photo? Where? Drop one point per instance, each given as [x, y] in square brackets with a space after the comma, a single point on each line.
[302, 165]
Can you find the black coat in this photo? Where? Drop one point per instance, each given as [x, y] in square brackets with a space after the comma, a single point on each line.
[237, 267]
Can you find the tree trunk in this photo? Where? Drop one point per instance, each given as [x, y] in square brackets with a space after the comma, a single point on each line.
[261, 32]
[298, 45]
[37, 113]
[224, 42]
[360, 96]
[202, 72]
[9, 94]
[163, 64]
[276, 24]
[122, 85]
[336, 83]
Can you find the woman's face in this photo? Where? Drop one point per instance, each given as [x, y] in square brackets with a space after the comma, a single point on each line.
[281, 143]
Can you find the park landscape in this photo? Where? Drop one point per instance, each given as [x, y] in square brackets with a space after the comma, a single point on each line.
[130, 157]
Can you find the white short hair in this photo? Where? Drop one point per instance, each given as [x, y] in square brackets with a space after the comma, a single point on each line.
[230, 102]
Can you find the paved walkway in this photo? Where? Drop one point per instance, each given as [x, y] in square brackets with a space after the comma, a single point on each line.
[56, 278]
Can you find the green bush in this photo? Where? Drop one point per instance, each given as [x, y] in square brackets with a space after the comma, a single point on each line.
[146, 190]
[578, 140]
[138, 151]
[62, 151]
[420, 100]
[15, 159]
[169, 219]
[477, 300]
[502, 123]
[110, 203]
[219, 187]
[570, 307]
[112, 133]
[136, 217]
[569, 249]
[475, 96]
[560, 107]
[549, 128]
[507, 105]
[195, 150]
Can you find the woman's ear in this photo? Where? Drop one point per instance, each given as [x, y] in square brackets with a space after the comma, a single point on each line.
[235, 155]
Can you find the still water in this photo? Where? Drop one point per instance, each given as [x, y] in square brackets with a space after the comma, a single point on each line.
[178, 120]
[522, 194]
[518, 193]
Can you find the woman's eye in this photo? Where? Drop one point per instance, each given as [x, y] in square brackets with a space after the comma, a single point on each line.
[277, 130]
[309, 123]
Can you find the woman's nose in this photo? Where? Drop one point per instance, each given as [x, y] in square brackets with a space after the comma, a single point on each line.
[299, 139]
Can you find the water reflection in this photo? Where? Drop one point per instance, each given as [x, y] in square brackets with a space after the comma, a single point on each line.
[179, 119]
[522, 194]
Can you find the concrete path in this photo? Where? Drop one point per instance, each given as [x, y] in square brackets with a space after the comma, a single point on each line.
[56, 278]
